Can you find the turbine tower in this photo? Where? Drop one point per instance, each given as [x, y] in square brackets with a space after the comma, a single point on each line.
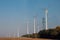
[18, 32]
[38, 29]
[9, 35]
[27, 27]
[43, 23]
[34, 24]
[46, 15]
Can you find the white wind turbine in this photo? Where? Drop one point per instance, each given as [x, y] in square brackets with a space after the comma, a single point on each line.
[34, 25]
[46, 15]
[27, 27]
[18, 32]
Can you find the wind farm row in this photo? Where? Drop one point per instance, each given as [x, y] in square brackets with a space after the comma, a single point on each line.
[44, 22]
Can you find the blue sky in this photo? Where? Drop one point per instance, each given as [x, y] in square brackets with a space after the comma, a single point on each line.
[15, 13]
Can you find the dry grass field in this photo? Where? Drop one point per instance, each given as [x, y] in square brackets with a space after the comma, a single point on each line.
[23, 39]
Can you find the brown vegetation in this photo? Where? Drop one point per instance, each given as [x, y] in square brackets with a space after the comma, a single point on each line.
[22, 39]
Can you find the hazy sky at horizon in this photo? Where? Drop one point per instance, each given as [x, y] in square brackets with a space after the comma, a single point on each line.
[15, 13]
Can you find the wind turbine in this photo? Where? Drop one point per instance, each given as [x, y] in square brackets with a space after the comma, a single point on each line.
[43, 23]
[9, 35]
[27, 27]
[34, 24]
[46, 15]
[18, 32]
[38, 28]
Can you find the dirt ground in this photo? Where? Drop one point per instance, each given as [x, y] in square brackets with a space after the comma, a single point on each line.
[23, 39]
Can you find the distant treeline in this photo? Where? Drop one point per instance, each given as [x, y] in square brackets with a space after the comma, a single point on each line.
[50, 33]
